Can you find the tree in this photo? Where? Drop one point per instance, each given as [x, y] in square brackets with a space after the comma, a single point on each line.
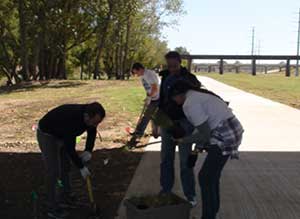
[42, 39]
[182, 50]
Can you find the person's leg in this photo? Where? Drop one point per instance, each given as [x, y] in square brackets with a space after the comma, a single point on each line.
[65, 171]
[167, 162]
[50, 154]
[223, 160]
[155, 129]
[209, 177]
[187, 172]
[141, 127]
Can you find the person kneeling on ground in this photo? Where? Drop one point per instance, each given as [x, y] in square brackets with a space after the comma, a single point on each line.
[56, 135]
[217, 129]
[151, 83]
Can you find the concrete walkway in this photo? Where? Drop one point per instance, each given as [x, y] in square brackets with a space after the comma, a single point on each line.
[265, 182]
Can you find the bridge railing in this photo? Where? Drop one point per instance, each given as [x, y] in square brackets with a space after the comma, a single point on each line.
[253, 58]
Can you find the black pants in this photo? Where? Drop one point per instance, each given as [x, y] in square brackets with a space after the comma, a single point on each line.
[209, 179]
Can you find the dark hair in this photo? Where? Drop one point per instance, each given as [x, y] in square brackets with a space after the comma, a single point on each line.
[181, 87]
[137, 66]
[95, 108]
[173, 55]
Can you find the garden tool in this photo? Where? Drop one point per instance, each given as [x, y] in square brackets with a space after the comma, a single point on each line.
[133, 141]
[95, 212]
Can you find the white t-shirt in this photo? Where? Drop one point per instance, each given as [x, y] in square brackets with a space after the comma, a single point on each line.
[202, 107]
[149, 78]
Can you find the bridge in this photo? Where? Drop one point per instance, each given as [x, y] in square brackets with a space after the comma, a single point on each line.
[253, 58]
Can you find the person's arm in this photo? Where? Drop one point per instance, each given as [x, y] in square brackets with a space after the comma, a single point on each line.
[200, 135]
[153, 80]
[193, 80]
[197, 116]
[154, 90]
[70, 144]
[91, 137]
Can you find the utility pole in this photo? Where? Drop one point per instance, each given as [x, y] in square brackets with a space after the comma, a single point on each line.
[298, 47]
[253, 38]
[258, 49]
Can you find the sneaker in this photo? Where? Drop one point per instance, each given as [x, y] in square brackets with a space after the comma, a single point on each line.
[193, 202]
[57, 214]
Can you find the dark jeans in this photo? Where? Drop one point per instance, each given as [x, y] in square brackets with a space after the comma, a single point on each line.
[168, 148]
[57, 164]
[143, 123]
[209, 179]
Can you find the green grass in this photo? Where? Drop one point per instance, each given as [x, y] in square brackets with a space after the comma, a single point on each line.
[24, 105]
[116, 95]
[273, 86]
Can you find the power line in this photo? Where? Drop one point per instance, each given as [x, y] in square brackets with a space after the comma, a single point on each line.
[298, 47]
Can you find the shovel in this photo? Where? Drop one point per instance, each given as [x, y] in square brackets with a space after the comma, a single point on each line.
[95, 212]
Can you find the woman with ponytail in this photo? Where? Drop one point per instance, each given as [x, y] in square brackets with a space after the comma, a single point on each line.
[217, 130]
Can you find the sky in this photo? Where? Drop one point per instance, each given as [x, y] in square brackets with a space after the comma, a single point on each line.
[225, 27]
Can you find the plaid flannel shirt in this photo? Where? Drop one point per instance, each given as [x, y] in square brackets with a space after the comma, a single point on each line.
[228, 136]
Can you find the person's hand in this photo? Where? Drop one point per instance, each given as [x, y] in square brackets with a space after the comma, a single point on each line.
[85, 172]
[86, 156]
[147, 100]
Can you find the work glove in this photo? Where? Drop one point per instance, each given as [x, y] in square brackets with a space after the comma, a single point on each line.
[86, 156]
[147, 101]
[85, 172]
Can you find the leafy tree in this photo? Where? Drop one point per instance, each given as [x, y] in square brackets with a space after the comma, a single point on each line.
[41, 39]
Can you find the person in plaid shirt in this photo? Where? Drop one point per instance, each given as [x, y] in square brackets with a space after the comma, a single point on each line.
[217, 130]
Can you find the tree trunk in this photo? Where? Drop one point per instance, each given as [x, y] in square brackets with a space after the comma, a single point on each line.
[41, 43]
[101, 41]
[120, 57]
[125, 59]
[23, 42]
[9, 79]
[81, 69]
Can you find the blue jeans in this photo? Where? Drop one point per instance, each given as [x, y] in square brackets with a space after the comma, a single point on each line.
[168, 148]
[209, 179]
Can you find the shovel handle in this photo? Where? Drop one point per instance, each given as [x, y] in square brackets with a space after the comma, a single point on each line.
[89, 188]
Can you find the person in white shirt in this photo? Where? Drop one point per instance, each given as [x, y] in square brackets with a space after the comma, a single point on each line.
[151, 84]
[217, 130]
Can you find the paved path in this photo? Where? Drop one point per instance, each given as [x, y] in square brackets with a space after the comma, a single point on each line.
[265, 182]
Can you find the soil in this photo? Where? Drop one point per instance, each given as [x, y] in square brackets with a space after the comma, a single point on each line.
[23, 173]
[22, 170]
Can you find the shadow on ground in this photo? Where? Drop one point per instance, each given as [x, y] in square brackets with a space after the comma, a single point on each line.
[260, 185]
[31, 86]
[22, 173]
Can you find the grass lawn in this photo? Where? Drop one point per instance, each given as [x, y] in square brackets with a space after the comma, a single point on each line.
[273, 86]
[21, 107]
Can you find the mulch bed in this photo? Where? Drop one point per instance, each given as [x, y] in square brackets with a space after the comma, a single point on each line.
[22, 173]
